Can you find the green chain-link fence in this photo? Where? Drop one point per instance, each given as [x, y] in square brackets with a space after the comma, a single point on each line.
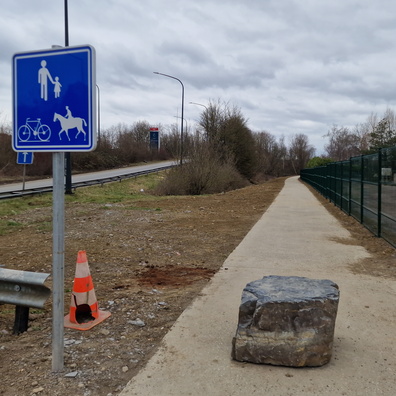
[364, 187]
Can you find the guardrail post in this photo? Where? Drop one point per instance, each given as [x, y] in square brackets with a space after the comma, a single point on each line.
[21, 319]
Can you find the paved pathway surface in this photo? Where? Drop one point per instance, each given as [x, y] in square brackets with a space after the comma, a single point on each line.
[296, 236]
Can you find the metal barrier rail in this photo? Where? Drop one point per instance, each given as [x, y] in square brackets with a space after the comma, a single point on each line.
[364, 187]
[101, 181]
[23, 289]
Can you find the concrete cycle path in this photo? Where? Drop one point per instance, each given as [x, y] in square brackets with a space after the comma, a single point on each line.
[296, 236]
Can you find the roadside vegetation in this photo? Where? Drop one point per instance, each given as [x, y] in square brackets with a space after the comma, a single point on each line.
[127, 192]
[219, 153]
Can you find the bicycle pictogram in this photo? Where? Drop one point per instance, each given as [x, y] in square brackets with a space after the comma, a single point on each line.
[40, 131]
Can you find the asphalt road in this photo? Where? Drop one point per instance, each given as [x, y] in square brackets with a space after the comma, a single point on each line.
[84, 177]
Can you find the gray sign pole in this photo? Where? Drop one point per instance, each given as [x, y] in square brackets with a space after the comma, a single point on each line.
[58, 243]
[58, 260]
[24, 177]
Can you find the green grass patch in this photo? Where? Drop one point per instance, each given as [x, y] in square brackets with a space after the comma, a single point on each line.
[117, 192]
[126, 192]
[45, 226]
[14, 206]
[142, 208]
[9, 226]
[12, 223]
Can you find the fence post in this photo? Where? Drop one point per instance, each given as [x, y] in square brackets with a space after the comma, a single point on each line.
[361, 187]
[341, 171]
[379, 206]
[327, 181]
[350, 186]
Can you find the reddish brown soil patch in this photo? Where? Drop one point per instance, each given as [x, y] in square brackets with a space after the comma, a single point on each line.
[172, 275]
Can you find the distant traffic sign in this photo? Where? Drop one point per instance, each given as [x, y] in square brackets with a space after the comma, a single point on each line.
[25, 158]
[54, 101]
[154, 139]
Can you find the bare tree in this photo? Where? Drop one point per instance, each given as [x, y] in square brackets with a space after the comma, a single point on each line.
[7, 155]
[270, 154]
[343, 143]
[363, 137]
[170, 140]
[227, 131]
[300, 152]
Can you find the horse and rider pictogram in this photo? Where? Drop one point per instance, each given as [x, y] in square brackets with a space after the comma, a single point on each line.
[70, 122]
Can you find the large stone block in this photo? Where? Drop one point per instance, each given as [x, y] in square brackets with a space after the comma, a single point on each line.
[286, 321]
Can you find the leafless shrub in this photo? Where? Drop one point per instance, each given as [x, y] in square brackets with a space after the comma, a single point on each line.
[202, 173]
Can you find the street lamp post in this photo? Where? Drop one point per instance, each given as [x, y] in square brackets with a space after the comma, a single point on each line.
[199, 104]
[182, 114]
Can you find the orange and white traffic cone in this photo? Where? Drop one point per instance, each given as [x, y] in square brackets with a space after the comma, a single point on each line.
[84, 310]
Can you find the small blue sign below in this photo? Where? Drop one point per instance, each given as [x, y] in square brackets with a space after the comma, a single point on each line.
[25, 157]
[54, 101]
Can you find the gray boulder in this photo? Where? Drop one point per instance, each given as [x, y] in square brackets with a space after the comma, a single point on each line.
[287, 321]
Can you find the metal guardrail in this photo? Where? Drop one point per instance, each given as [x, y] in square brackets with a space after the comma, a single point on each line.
[24, 289]
[101, 181]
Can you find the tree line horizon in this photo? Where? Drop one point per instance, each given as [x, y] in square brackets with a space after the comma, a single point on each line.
[221, 134]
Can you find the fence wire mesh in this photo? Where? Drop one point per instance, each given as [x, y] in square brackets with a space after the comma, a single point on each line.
[363, 187]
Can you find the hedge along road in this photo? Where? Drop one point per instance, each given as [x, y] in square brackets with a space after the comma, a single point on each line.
[7, 190]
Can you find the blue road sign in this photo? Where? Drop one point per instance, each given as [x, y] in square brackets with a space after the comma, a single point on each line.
[25, 157]
[154, 138]
[54, 101]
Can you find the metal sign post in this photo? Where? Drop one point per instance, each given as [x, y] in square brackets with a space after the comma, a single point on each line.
[25, 158]
[54, 97]
[24, 177]
[58, 259]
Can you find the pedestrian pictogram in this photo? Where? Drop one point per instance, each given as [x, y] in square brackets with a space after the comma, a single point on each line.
[54, 104]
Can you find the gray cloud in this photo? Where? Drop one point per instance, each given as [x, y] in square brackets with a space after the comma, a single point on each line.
[291, 66]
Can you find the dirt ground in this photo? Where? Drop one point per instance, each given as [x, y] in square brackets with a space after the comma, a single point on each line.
[147, 262]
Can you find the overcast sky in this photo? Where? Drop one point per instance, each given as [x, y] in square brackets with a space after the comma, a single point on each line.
[291, 66]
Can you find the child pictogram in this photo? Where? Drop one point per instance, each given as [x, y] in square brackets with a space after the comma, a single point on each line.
[57, 87]
[43, 76]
